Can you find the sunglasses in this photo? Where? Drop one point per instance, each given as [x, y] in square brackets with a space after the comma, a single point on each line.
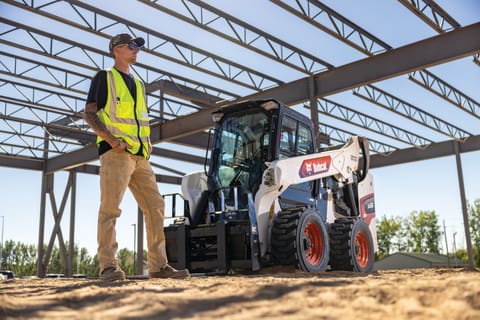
[131, 45]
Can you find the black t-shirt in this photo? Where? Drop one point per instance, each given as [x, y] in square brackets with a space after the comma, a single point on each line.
[98, 93]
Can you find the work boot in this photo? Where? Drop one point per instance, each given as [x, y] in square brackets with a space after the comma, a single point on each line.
[170, 272]
[112, 274]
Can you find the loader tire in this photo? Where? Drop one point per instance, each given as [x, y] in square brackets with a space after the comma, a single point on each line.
[300, 238]
[351, 245]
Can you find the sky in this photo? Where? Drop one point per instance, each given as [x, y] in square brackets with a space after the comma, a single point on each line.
[399, 189]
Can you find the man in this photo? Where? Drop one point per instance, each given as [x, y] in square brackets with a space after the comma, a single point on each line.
[116, 110]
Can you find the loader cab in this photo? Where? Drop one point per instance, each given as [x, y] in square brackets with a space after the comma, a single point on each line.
[246, 136]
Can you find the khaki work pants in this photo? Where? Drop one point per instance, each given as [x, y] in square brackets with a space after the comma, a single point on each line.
[117, 172]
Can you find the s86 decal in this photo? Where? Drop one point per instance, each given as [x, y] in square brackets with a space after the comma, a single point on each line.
[367, 208]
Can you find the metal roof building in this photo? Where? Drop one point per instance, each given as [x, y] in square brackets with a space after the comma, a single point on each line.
[404, 260]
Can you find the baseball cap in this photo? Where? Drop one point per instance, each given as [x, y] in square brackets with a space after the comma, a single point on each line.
[125, 38]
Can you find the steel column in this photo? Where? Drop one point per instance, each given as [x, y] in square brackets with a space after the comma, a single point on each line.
[139, 248]
[71, 239]
[466, 224]
[313, 109]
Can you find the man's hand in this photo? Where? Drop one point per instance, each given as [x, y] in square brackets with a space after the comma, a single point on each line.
[150, 148]
[120, 146]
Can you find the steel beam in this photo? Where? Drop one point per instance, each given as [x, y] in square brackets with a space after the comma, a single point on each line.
[99, 58]
[336, 25]
[432, 14]
[213, 20]
[362, 120]
[346, 31]
[185, 54]
[183, 92]
[20, 162]
[409, 111]
[47, 74]
[418, 55]
[435, 150]
[341, 136]
[85, 155]
[93, 169]
[445, 91]
[368, 70]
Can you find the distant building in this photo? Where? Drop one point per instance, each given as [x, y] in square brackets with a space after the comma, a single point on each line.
[403, 260]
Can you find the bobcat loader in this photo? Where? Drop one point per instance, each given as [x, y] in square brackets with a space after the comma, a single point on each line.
[270, 197]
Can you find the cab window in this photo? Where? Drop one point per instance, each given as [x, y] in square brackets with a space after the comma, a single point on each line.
[288, 135]
[295, 138]
[305, 140]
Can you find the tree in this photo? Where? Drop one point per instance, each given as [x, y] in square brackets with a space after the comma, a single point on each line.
[420, 232]
[474, 221]
[22, 260]
[388, 230]
[87, 265]
[125, 260]
[55, 264]
[460, 256]
[19, 258]
[423, 232]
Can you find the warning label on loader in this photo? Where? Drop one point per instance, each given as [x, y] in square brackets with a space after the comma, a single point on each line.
[314, 166]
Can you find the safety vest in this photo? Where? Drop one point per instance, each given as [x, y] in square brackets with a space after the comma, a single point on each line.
[125, 120]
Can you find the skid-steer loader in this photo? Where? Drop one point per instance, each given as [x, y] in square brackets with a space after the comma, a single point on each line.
[270, 197]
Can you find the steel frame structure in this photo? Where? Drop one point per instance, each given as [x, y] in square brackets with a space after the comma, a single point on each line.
[42, 127]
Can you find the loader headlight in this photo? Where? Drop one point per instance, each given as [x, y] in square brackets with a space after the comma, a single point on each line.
[217, 116]
[269, 105]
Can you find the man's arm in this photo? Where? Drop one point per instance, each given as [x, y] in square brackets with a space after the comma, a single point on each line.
[91, 118]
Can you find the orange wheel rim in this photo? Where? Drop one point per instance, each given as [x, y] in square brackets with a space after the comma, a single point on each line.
[362, 250]
[313, 243]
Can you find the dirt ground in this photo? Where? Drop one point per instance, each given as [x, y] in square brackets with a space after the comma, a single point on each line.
[271, 294]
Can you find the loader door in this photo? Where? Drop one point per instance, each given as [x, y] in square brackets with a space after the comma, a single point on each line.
[239, 161]
[296, 139]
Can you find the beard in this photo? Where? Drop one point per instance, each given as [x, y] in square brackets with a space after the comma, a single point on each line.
[132, 59]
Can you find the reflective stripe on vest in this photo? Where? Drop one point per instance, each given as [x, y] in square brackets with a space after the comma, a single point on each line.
[124, 119]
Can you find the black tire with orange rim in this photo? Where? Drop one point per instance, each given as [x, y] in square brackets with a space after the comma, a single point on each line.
[351, 245]
[300, 238]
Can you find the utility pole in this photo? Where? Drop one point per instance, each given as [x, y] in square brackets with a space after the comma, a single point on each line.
[1, 246]
[455, 249]
[446, 243]
[134, 246]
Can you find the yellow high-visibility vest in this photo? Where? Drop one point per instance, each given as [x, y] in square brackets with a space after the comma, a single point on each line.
[125, 120]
